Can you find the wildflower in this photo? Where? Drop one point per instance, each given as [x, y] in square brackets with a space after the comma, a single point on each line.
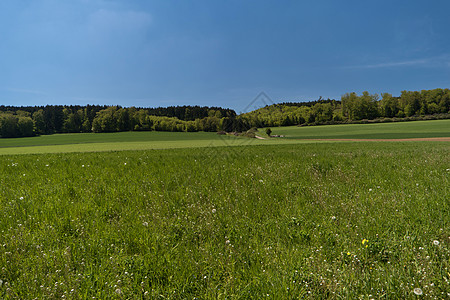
[348, 253]
[418, 291]
[145, 224]
[333, 218]
[21, 198]
[118, 291]
[213, 210]
[436, 242]
[364, 241]
[370, 190]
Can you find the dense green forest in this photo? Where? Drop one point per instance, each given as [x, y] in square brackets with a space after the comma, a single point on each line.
[352, 108]
[29, 121]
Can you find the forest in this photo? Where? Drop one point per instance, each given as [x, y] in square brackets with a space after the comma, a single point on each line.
[31, 121]
[352, 108]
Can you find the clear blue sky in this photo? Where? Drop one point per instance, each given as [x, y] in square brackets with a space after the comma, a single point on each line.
[218, 53]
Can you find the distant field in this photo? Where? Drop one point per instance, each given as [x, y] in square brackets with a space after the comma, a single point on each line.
[399, 130]
[115, 137]
[120, 141]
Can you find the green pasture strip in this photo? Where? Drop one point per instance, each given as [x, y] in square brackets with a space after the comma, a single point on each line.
[155, 145]
[115, 137]
[400, 130]
[358, 220]
[144, 145]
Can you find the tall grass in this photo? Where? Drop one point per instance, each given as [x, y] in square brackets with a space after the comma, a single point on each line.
[274, 222]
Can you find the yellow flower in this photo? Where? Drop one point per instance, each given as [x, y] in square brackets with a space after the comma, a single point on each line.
[348, 253]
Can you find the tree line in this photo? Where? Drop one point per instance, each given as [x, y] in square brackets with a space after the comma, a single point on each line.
[37, 120]
[354, 108]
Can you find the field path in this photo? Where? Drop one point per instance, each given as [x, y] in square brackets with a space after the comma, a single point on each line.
[438, 139]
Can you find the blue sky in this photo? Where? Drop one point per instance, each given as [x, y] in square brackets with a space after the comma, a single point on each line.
[217, 53]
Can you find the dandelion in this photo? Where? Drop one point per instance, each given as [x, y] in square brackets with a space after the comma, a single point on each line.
[418, 291]
[436, 242]
[118, 291]
[348, 253]
[364, 241]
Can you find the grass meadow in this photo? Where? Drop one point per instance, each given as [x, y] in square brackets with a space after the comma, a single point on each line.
[148, 140]
[353, 220]
[397, 130]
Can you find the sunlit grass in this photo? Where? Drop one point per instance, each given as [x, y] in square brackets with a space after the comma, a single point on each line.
[398, 130]
[356, 220]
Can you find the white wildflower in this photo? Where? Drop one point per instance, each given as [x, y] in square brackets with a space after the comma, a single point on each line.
[418, 291]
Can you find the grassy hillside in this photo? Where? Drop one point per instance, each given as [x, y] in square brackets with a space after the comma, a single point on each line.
[120, 141]
[261, 222]
[114, 137]
[144, 140]
[401, 130]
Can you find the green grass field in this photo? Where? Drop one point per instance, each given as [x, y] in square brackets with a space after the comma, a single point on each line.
[276, 222]
[120, 141]
[399, 130]
[314, 220]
